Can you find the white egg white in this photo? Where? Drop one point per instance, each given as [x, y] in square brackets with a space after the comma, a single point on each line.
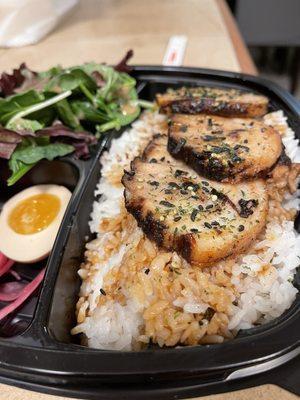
[31, 247]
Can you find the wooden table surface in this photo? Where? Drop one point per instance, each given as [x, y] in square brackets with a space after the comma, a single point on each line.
[102, 30]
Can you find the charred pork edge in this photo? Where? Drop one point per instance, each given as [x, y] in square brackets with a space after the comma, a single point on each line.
[213, 170]
[195, 160]
[153, 228]
[209, 106]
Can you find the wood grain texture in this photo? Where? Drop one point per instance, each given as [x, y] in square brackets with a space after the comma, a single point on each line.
[102, 30]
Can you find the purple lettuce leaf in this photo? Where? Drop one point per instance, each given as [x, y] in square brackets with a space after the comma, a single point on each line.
[98, 78]
[59, 129]
[6, 150]
[80, 140]
[81, 150]
[122, 65]
[9, 82]
[9, 140]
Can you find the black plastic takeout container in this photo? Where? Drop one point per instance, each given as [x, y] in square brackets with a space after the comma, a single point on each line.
[45, 357]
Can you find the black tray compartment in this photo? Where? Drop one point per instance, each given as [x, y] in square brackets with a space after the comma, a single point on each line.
[60, 172]
[46, 358]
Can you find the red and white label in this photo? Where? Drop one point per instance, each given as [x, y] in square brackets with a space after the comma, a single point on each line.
[175, 51]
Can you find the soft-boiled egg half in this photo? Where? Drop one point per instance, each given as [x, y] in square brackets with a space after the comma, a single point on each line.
[30, 220]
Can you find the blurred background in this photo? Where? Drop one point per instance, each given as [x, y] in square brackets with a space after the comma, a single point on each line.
[271, 30]
[251, 36]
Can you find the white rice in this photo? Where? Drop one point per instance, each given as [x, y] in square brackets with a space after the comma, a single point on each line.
[289, 139]
[263, 297]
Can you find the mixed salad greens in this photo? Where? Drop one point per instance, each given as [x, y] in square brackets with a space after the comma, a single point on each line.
[63, 110]
[51, 114]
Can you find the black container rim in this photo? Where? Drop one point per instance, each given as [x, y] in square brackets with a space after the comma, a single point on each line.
[36, 357]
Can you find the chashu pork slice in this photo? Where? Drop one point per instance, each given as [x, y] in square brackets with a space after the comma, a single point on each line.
[202, 220]
[224, 149]
[216, 101]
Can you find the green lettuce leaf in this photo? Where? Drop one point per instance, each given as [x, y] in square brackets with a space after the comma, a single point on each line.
[67, 116]
[70, 80]
[31, 151]
[23, 124]
[12, 105]
[84, 110]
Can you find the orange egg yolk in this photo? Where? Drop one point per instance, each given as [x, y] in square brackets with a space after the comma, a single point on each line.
[34, 214]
